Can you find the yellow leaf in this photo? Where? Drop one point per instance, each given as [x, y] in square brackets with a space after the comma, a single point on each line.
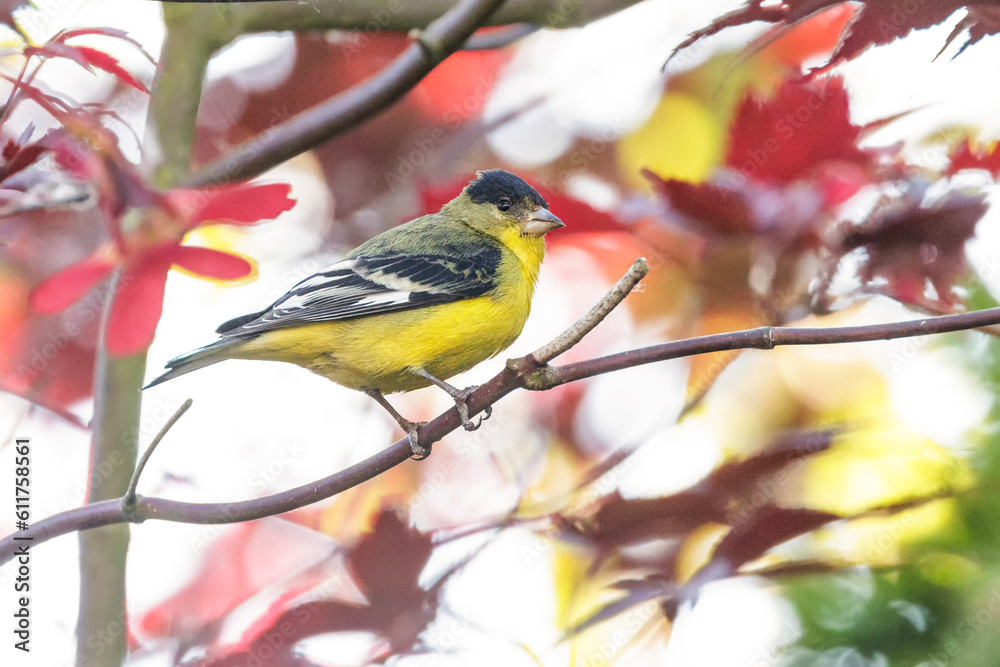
[682, 140]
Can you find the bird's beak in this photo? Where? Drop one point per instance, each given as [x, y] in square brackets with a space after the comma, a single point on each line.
[540, 223]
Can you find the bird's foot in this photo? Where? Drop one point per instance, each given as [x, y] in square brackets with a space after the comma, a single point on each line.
[461, 396]
[417, 451]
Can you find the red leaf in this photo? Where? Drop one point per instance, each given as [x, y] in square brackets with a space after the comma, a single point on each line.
[53, 105]
[88, 58]
[54, 370]
[805, 124]
[57, 292]
[278, 640]
[19, 157]
[245, 560]
[579, 217]
[387, 562]
[116, 33]
[839, 181]
[966, 158]
[456, 91]
[138, 302]
[233, 205]
[814, 36]
[109, 64]
[721, 209]
[212, 263]
[909, 245]
[10, 149]
[980, 21]
[737, 479]
[72, 156]
[620, 521]
[767, 528]
[752, 12]
[883, 21]
[877, 22]
[57, 50]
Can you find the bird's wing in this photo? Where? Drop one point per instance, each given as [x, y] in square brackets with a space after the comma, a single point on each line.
[361, 286]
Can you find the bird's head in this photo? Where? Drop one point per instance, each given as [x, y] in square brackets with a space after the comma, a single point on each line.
[497, 202]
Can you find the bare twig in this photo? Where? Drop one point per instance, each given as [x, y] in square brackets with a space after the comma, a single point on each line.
[396, 16]
[500, 37]
[128, 500]
[524, 373]
[585, 324]
[766, 338]
[342, 112]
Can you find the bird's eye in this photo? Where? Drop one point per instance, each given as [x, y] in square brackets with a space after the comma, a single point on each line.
[503, 204]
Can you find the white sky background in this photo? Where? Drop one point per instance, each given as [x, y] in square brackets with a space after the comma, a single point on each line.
[260, 427]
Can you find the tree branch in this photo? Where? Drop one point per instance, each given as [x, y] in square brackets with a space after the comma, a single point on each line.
[766, 338]
[595, 316]
[128, 500]
[103, 552]
[342, 112]
[400, 15]
[192, 36]
[526, 373]
[499, 38]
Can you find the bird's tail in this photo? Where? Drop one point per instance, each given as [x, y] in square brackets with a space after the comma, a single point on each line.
[215, 352]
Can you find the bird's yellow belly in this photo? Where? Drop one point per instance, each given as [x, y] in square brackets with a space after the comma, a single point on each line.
[381, 351]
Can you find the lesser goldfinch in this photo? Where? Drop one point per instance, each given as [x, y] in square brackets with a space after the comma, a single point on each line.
[410, 307]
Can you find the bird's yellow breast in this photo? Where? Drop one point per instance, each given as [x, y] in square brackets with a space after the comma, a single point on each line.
[381, 351]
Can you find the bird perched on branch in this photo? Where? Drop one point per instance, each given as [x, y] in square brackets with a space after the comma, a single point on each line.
[410, 307]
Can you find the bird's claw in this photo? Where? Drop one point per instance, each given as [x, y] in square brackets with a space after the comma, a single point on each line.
[417, 451]
[463, 409]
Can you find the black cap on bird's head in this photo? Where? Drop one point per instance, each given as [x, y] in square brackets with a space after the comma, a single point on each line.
[494, 184]
[514, 198]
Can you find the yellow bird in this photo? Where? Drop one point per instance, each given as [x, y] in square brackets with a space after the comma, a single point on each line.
[410, 307]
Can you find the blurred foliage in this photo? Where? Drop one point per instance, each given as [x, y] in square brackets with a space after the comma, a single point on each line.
[758, 199]
[941, 604]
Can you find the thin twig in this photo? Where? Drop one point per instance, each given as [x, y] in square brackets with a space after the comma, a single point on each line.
[585, 324]
[128, 500]
[395, 16]
[498, 39]
[517, 374]
[355, 105]
[766, 338]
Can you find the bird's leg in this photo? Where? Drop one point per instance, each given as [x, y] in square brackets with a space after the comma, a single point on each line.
[460, 396]
[417, 451]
